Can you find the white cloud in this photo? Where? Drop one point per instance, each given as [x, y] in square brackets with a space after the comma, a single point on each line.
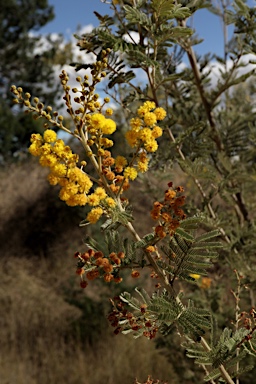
[217, 68]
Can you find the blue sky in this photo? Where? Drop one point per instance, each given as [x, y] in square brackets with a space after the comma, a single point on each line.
[70, 14]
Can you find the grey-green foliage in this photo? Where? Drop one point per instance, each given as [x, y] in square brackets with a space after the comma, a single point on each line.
[222, 352]
[188, 254]
[166, 312]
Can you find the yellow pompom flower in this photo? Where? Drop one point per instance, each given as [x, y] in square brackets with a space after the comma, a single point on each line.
[109, 111]
[63, 181]
[76, 174]
[94, 215]
[79, 199]
[100, 192]
[71, 201]
[160, 113]
[53, 180]
[157, 132]
[97, 121]
[58, 147]
[110, 202]
[145, 134]
[142, 167]
[146, 107]
[71, 188]
[93, 200]
[85, 183]
[106, 143]
[132, 138]
[35, 149]
[50, 136]
[150, 118]
[64, 195]
[120, 161]
[109, 127]
[130, 173]
[46, 149]
[48, 160]
[59, 170]
[151, 145]
[149, 105]
[36, 137]
[135, 123]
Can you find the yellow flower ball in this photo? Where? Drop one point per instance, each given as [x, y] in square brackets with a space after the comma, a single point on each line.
[106, 143]
[93, 200]
[151, 145]
[149, 118]
[53, 180]
[135, 123]
[157, 132]
[160, 113]
[59, 170]
[132, 138]
[58, 147]
[64, 195]
[130, 173]
[100, 192]
[109, 111]
[36, 137]
[35, 149]
[120, 161]
[71, 188]
[50, 136]
[79, 199]
[109, 127]
[146, 107]
[94, 215]
[145, 134]
[110, 202]
[97, 121]
[48, 160]
[142, 167]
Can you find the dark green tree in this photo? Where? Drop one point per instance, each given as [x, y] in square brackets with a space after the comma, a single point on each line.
[24, 60]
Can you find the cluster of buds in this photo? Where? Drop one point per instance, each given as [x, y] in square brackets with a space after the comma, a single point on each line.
[93, 264]
[37, 108]
[248, 321]
[169, 212]
[123, 320]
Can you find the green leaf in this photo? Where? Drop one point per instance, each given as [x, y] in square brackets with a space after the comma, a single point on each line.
[208, 235]
[185, 235]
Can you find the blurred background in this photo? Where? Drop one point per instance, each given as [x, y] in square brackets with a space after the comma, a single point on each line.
[52, 331]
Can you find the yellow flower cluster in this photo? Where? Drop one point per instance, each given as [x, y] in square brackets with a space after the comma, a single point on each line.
[99, 122]
[75, 183]
[144, 131]
[142, 136]
[53, 153]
